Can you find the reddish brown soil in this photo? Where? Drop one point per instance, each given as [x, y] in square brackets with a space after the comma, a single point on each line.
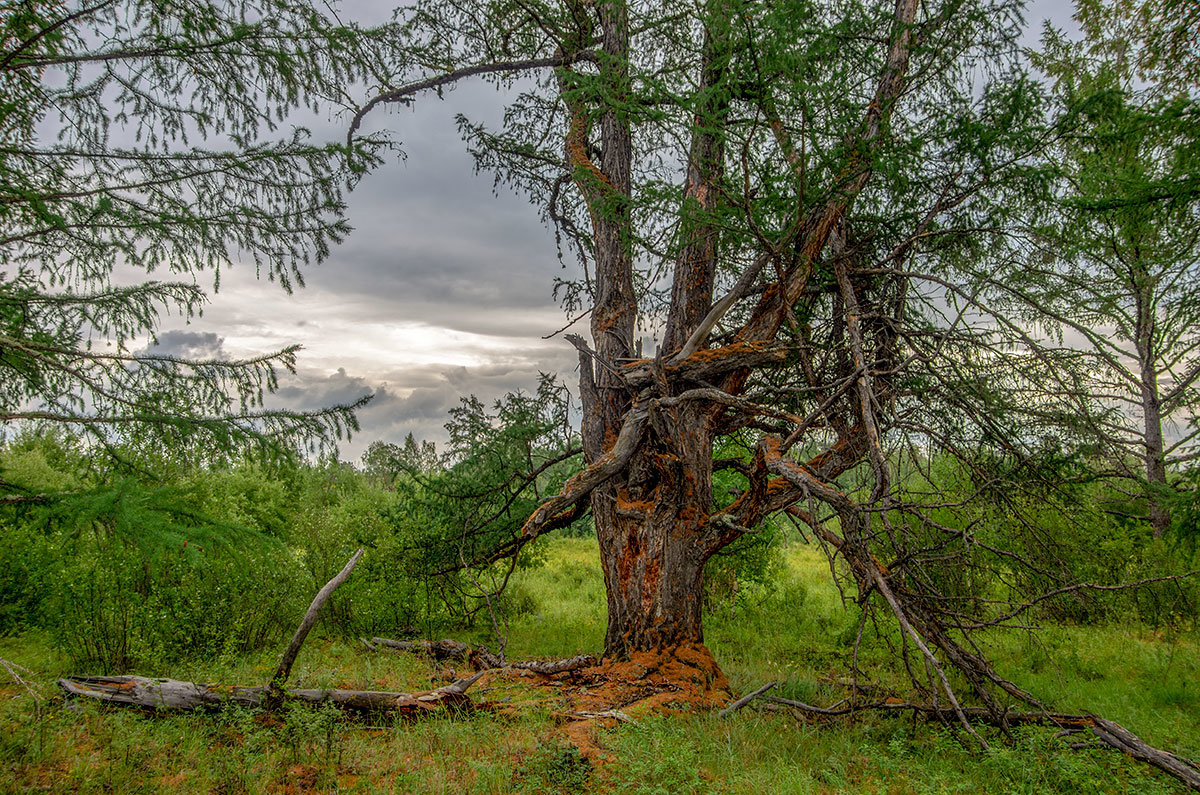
[684, 678]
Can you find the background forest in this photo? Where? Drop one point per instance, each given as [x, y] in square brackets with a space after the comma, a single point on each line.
[925, 307]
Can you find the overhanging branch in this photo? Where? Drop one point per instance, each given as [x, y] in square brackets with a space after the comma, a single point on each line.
[404, 93]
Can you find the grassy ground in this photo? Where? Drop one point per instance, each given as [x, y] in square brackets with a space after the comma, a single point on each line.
[799, 634]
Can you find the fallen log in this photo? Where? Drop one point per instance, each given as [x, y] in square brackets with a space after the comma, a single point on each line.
[479, 657]
[1121, 739]
[171, 694]
[552, 667]
[439, 650]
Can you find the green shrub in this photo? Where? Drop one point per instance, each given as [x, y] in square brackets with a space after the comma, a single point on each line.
[117, 610]
[27, 562]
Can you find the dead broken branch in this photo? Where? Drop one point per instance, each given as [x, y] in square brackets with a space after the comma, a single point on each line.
[170, 694]
[744, 700]
[1110, 735]
[306, 624]
[479, 657]
[552, 667]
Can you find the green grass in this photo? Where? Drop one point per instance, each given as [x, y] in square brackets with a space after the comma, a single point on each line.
[797, 633]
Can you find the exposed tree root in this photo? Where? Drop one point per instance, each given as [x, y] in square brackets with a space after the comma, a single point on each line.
[609, 692]
[681, 678]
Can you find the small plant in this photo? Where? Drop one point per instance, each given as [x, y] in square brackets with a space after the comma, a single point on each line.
[309, 731]
[554, 768]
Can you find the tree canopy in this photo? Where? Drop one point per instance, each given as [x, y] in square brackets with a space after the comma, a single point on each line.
[143, 138]
[791, 201]
[1113, 260]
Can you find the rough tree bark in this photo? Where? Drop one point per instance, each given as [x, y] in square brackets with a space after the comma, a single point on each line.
[649, 518]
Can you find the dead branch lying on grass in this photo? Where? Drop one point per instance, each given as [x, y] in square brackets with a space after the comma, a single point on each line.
[139, 691]
[1109, 734]
[608, 714]
[746, 699]
[479, 657]
[552, 667]
[171, 694]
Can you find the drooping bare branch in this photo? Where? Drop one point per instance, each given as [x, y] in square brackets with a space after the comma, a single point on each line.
[404, 94]
[579, 486]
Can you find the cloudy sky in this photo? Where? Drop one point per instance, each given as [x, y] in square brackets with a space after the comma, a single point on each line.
[442, 290]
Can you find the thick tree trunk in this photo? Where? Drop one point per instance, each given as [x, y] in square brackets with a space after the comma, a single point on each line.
[652, 538]
[650, 519]
[653, 576]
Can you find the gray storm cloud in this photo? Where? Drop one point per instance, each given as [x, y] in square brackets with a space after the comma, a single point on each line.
[189, 345]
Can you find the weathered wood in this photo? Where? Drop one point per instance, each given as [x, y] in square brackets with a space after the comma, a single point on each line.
[1121, 739]
[746, 699]
[552, 667]
[608, 714]
[441, 650]
[479, 657]
[306, 624]
[706, 365]
[172, 694]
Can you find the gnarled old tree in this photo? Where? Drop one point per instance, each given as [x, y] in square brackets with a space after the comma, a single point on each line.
[777, 192]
